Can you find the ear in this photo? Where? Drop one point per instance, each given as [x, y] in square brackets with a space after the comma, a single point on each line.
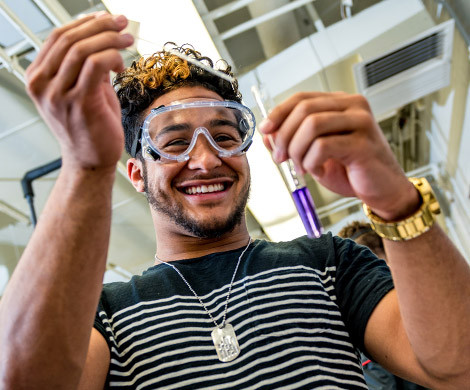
[135, 173]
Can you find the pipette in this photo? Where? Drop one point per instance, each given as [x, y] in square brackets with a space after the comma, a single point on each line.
[301, 195]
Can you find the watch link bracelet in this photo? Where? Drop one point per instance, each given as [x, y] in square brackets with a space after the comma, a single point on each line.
[412, 226]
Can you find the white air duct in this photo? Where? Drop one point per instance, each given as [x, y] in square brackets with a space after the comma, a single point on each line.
[408, 72]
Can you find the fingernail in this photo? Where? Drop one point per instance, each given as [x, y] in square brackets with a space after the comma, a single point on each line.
[266, 125]
[277, 155]
[128, 38]
[299, 170]
[121, 20]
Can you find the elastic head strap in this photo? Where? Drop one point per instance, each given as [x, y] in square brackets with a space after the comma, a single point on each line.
[136, 144]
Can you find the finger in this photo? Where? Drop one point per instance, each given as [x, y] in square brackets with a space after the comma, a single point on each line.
[77, 55]
[56, 33]
[95, 68]
[323, 124]
[53, 59]
[344, 149]
[279, 113]
[266, 142]
[277, 116]
[303, 114]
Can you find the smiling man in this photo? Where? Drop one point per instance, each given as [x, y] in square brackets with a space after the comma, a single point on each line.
[218, 311]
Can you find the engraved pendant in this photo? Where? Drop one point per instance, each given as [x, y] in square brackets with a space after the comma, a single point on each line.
[226, 343]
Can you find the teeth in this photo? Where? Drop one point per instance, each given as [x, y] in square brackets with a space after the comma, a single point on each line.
[204, 189]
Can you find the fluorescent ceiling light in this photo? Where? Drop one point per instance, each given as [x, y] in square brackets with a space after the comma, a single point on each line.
[164, 21]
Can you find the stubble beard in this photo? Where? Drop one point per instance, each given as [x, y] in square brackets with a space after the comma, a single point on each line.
[214, 228]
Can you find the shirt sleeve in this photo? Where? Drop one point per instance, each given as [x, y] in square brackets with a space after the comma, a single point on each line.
[362, 280]
[102, 323]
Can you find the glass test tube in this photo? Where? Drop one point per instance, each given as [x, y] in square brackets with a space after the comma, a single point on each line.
[301, 195]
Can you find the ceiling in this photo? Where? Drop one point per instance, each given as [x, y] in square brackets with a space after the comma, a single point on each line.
[253, 35]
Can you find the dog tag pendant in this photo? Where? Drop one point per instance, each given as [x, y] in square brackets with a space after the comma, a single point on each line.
[226, 343]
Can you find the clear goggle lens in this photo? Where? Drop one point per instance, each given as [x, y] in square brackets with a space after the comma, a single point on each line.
[169, 134]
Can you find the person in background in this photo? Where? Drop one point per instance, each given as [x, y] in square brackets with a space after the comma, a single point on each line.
[377, 378]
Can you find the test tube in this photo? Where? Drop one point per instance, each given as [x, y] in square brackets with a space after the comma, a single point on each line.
[300, 194]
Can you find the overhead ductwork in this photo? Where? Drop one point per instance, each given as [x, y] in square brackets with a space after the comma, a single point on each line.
[412, 70]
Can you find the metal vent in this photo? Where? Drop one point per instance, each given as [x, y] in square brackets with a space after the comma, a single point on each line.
[405, 58]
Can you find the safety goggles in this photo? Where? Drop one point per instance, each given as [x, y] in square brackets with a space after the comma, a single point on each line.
[170, 133]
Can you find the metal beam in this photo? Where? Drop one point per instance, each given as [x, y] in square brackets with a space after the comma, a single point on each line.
[263, 18]
[214, 33]
[56, 13]
[315, 17]
[14, 213]
[19, 25]
[11, 63]
[227, 9]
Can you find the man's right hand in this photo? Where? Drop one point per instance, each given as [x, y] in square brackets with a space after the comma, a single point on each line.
[52, 309]
[69, 83]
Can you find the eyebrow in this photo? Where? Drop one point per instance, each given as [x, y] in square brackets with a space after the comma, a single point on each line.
[174, 127]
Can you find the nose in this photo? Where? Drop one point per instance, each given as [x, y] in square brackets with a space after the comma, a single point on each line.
[203, 155]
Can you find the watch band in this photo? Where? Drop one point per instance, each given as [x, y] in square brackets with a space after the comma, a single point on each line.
[412, 226]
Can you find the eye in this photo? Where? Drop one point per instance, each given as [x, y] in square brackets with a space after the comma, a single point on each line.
[174, 146]
[227, 140]
[224, 138]
[177, 142]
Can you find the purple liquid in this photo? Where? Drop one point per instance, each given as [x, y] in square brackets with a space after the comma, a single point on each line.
[306, 208]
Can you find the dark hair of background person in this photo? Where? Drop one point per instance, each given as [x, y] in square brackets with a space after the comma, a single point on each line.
[363, 234]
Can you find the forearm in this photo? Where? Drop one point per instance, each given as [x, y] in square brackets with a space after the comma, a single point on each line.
[432, 282]
[47, 311]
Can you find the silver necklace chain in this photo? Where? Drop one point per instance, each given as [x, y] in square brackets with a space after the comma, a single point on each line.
[197, 296]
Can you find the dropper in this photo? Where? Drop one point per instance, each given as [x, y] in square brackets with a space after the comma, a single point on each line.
[301, 195]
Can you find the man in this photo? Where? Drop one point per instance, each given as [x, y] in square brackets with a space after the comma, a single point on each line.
[180, 325]
[377, 378]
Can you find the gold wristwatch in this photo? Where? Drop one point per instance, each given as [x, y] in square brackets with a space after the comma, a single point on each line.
[412, 226]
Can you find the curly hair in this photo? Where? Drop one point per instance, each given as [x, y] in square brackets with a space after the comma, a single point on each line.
[363, 234]
[149, 78]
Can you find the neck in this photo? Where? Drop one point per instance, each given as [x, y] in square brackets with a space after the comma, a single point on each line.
[178, 246]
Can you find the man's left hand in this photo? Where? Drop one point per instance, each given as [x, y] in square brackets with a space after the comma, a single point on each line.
[335, 138]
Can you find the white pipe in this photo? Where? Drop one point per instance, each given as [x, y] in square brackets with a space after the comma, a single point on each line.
[54, 11]
[263, 18]
[19, 25]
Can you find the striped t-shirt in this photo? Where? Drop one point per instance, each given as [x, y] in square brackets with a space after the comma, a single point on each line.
[299, 310]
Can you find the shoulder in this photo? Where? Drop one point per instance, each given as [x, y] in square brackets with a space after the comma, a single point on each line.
[300, 244]
[327, 249]
[118, 295]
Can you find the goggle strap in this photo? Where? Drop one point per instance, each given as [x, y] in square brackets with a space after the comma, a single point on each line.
[245, 149]
[154, 154]
[136, 144]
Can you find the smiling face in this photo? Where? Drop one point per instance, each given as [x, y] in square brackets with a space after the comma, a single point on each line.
[204, 196]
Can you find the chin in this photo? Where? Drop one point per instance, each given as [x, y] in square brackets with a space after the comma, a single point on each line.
[210, 228]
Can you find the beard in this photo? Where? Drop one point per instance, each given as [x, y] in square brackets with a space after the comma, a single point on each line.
[215, 228]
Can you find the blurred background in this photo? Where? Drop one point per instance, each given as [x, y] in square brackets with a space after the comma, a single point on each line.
[409, 57]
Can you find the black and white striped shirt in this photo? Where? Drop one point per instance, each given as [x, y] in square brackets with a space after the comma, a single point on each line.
[299, 311]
